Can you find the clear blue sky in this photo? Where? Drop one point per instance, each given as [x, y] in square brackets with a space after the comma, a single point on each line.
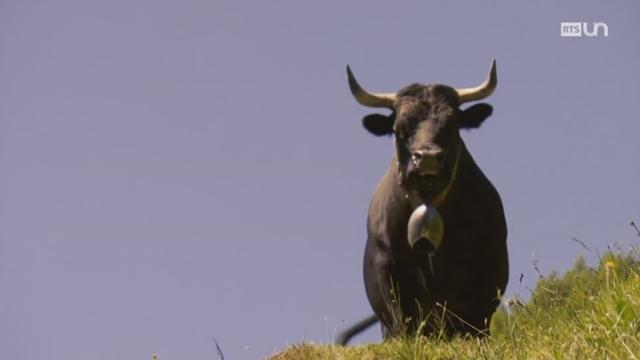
[175, 171]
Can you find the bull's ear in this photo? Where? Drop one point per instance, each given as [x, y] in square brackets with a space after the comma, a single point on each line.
[473, 116]
[379, 124]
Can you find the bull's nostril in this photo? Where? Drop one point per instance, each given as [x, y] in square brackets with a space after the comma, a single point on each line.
[416, 160]
[427, 161]
[417, 155]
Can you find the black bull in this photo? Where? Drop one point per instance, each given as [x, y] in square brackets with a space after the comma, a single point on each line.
[436, 253]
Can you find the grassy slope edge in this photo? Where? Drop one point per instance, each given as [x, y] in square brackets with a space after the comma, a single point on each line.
[589, 313]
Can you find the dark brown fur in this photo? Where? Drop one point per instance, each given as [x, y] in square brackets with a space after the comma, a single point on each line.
[465, 276]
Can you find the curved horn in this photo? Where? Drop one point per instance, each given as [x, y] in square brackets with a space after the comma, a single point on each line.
[366, 98]
[480, 92]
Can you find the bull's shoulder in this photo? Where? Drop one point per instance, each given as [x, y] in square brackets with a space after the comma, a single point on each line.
[388, 198]
[474, 189]
[388, 210]
[475, 209]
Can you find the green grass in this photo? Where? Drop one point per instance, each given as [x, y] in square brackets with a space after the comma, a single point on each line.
[589, 313]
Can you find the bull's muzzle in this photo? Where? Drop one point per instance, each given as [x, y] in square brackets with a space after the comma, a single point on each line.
[426, 162]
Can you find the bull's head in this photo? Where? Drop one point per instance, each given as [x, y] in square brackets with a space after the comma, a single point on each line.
[425, 121]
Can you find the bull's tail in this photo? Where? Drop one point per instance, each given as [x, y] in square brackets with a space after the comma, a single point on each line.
[344, 337]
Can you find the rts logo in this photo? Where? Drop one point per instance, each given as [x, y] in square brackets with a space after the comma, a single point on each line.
[579, 29]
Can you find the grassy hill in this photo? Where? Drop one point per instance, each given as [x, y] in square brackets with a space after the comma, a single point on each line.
[589, 313]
